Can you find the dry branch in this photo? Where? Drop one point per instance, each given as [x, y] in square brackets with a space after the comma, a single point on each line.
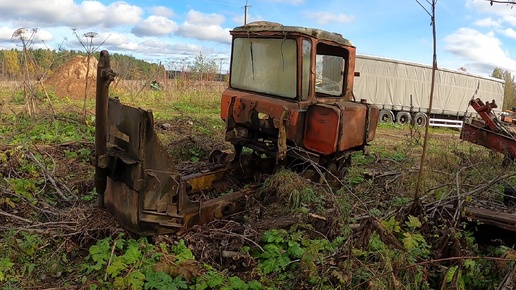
[53, 180]
[15, 217]
[508, 282]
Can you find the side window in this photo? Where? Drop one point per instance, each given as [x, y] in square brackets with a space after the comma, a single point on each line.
[307, 64]
[329, 74]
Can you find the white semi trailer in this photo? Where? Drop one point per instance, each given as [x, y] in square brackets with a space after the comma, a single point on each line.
[402, 91]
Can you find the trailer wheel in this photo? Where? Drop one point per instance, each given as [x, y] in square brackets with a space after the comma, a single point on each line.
[403, 117]
[386, 116]
[420, 119]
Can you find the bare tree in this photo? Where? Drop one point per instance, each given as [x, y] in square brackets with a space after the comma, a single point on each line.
[501, 2]
[90, 48]
[431, 13]
[42, 76]
[26, 36]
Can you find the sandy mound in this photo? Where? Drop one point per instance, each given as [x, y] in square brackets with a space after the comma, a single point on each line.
[70, 79]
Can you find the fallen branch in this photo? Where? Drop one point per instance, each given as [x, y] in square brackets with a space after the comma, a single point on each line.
[460, 198]
[34, 207]
[52, 180]
[508, 281]
[443, 201]
[15, 217]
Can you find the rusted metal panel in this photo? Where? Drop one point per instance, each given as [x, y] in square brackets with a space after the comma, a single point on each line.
[322, 129]
[246, 104]
[372, 124]
[491, 133]
[489, 139]
[146, 193]
[139, 182]
[485, 112]
[354, 127]
[122, 203]
[204, 180]
[104, 78]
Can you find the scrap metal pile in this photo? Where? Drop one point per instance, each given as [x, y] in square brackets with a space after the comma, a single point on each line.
[493, 134]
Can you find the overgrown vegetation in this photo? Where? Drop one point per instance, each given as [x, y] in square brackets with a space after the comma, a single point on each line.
[364, 233]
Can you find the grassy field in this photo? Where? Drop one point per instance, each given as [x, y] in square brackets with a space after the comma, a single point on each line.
[366, 233]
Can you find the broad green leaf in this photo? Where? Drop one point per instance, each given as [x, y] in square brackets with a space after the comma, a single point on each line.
[294, 250]
[132, 253]
[392, 225]
[136, 280]
[182, 252]
[116, 267]
[255, 285]
[413, 222]
[237, 283]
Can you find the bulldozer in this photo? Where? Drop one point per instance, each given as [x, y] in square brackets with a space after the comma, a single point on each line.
[289, 103]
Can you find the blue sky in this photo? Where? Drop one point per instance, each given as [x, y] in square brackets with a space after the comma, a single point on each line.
[470, 33]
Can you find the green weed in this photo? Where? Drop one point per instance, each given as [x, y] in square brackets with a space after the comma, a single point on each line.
[291, 255]
[6, 270]
[127, 263]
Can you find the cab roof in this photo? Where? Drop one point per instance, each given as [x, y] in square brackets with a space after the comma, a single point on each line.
[267, 26]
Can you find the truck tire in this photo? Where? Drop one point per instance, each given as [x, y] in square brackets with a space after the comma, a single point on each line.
[420, 119]
[386, 116]
[403, 118]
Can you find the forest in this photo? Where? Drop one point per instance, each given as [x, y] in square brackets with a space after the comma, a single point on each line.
[42, 62]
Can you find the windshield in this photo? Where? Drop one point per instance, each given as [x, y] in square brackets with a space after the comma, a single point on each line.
[329, 74]
[265, 65]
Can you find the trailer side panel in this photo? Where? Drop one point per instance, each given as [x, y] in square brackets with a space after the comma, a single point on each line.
[405, 86]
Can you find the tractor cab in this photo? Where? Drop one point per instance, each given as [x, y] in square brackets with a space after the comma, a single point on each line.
[291, 94]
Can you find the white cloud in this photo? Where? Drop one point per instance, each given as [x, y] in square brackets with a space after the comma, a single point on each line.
[118, 41]
[321, 17]
[162, 11]
[155, 26]
[509, 32]
[510, 19]
[239, 19]
[84, 15]
[43, 35]
[487, 22]
[204, 19]
[506, 13]
[291, 2]
[121, 13]
[481, 52]
[44, 13]
[6, 33]
[175, 49]
[204, 27]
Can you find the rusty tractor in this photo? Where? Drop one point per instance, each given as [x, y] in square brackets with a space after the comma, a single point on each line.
[289, 103]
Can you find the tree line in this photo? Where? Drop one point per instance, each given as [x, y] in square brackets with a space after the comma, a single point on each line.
[509, 89]
[44, 62]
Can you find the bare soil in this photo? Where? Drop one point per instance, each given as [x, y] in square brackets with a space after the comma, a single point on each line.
[72, 78]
